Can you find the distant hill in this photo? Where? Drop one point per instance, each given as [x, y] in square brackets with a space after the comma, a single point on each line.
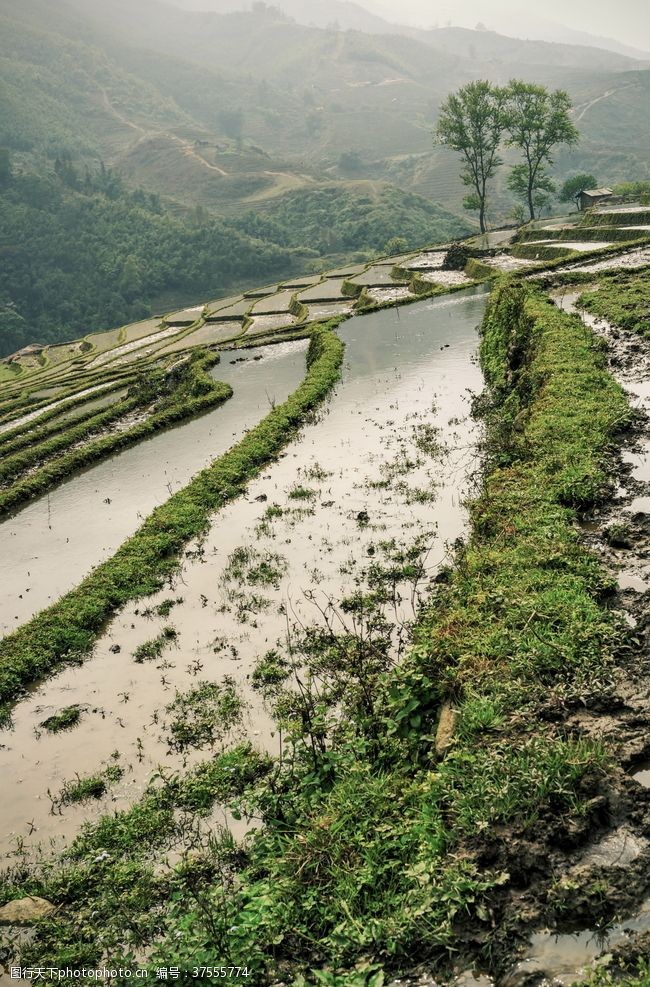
[302, 145]
[315, 13]
[509, 17]
[248, 106]
[498, 50]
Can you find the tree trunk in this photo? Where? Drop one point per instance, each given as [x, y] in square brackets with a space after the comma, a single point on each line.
[531, 204]
[481, 216]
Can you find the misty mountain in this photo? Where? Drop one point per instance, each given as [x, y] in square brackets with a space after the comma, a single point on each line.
[498, 52]
[311, 13]
[360, 17]
[523, 24]
[515, 20]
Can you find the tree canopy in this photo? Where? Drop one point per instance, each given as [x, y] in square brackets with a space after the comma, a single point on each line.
[575, 185]
[536, 121]
[472, 122]
[478, 119]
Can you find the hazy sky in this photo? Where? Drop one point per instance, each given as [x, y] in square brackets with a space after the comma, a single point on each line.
[625, 20]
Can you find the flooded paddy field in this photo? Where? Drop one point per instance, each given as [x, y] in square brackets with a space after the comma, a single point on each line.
[388, 461]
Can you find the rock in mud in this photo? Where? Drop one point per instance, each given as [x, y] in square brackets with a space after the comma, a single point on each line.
[446, 728]
[25, 911]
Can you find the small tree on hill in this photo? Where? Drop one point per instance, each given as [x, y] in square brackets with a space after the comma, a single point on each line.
[396, 245]
[574, 186]
[472, 123]
[537, 121]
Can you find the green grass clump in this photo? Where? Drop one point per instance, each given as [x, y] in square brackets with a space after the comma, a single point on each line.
[624, 301]
[153, 649]
[299, 492]
[69, 628]
[479, 271]
[635, 973]
[89, 787]
[205, 715]
[63, 720]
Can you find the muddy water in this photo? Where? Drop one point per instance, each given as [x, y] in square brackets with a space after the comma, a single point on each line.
[49, 545]
[567, 958]
[354, 478]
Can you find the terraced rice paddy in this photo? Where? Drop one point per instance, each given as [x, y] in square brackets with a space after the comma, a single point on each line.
[423, 262]
[279, 302]
[325, 524]
[136, 348]
[379, 275]
[329, 290]
[262, 324]
[209, 334]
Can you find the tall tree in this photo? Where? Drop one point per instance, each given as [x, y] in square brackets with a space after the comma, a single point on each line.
[472, 122]
[537, 121]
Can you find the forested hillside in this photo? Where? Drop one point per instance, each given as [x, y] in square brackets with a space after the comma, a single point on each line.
[82, 253]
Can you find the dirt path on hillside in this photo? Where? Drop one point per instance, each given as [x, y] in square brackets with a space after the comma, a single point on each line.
[187, 147]
[598, 99]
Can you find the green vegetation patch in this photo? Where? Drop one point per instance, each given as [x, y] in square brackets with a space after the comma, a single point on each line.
[582, 234]
[108, 883]
[69, 628]
[84, 788]
[541, 251]
[636, 217]
[624, 301]
[205, 715]
[154, 648]
[63, 720]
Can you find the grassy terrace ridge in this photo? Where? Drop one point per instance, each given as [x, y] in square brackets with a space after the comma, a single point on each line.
[66, 401]
[380, 848]
[624, 301]
[183, 392]
[68, 629]
[578, 233]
